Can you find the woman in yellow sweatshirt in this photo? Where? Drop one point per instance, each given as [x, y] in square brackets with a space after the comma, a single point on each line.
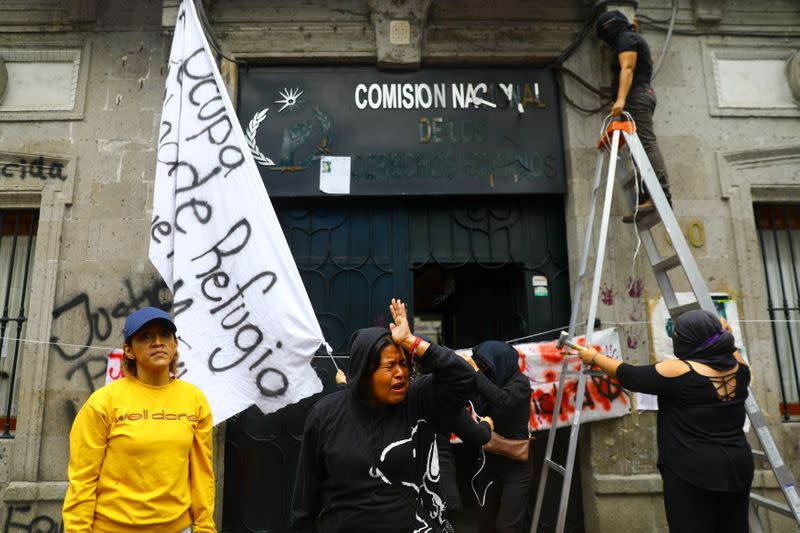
[140, 448]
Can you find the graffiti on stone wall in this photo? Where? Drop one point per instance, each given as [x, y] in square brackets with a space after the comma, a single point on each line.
[36, 168]
[19, 520]
[89, 324]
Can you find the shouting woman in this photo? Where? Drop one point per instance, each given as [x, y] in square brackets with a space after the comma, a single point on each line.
[369, 459]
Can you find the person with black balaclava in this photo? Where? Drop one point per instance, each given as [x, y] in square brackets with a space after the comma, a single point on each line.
[705, 462]
[369, 460]
[632, 68]
[504, 394]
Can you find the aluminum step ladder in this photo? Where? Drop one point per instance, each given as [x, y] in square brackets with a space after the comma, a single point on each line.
[618, 135]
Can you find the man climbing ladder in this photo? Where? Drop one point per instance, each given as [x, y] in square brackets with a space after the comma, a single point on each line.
[632, 71]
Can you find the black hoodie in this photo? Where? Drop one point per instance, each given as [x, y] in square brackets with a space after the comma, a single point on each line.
[368, 469]
[504, 392]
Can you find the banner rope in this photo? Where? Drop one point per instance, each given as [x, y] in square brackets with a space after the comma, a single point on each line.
[517, 340]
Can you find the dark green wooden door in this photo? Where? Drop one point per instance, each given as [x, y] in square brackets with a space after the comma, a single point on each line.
[353, 257]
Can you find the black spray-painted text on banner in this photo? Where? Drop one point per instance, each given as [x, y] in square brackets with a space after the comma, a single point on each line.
[222, 292]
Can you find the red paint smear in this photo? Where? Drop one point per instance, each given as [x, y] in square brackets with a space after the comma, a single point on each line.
[550, 353]
[599, 399]
[543, 402]
[582, 341]
[550, 375]
[522, 362]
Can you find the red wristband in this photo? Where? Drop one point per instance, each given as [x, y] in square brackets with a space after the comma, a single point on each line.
[417, 340]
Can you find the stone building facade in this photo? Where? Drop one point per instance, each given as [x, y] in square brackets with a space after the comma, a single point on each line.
[83, 83]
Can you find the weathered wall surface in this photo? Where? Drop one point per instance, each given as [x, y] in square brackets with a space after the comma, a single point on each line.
[102, 270]
[93, 256]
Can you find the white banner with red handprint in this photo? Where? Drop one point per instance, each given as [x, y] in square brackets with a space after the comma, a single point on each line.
[541, 362]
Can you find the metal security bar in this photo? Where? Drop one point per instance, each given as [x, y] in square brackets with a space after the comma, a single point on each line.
[17, 239]
[779, 236]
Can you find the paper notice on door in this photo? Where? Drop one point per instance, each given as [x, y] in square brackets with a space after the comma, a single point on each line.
[334, 175]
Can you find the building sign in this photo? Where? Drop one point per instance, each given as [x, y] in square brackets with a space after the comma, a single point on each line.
[435, 131]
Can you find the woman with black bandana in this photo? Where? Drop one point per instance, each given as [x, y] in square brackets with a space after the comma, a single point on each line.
[504, 394]
[705, 462]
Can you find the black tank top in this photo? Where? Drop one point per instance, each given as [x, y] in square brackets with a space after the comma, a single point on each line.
[700, 428]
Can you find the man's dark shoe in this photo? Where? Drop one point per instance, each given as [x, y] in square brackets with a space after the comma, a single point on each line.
[644, 208]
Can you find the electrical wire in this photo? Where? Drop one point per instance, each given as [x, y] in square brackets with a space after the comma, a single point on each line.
[636, 200]
[210, 37]
[647, 18]
[579, 79]
[533, 335]
[558, 66]
[582, 33]
[481, 502]
[666, 41]
[590, 110]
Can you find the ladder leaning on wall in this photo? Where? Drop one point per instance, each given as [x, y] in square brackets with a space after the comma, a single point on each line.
[618, 136]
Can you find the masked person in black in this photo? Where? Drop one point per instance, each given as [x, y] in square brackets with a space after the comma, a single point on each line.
[504, 394]
[632, 68]
[705, 462]
[369, 460]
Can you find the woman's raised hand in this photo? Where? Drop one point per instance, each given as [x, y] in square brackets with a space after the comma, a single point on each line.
[401, 332]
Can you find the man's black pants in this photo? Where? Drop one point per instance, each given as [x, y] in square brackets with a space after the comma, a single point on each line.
[641, 104]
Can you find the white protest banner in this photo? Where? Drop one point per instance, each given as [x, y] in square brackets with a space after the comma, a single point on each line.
[247, 331]
[603, 398]
[541, 362]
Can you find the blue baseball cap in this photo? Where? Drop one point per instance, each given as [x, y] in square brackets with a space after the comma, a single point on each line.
[139, 318]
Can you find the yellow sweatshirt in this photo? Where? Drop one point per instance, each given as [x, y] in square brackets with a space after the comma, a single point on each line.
[140, 460]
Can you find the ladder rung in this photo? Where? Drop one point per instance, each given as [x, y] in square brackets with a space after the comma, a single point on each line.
[772, 505]
[680, 309]
[648, 221]
[667, 264]
[759, 454]
[555, 466]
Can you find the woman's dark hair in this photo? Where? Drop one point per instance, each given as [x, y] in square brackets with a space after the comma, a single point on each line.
[374, 359]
